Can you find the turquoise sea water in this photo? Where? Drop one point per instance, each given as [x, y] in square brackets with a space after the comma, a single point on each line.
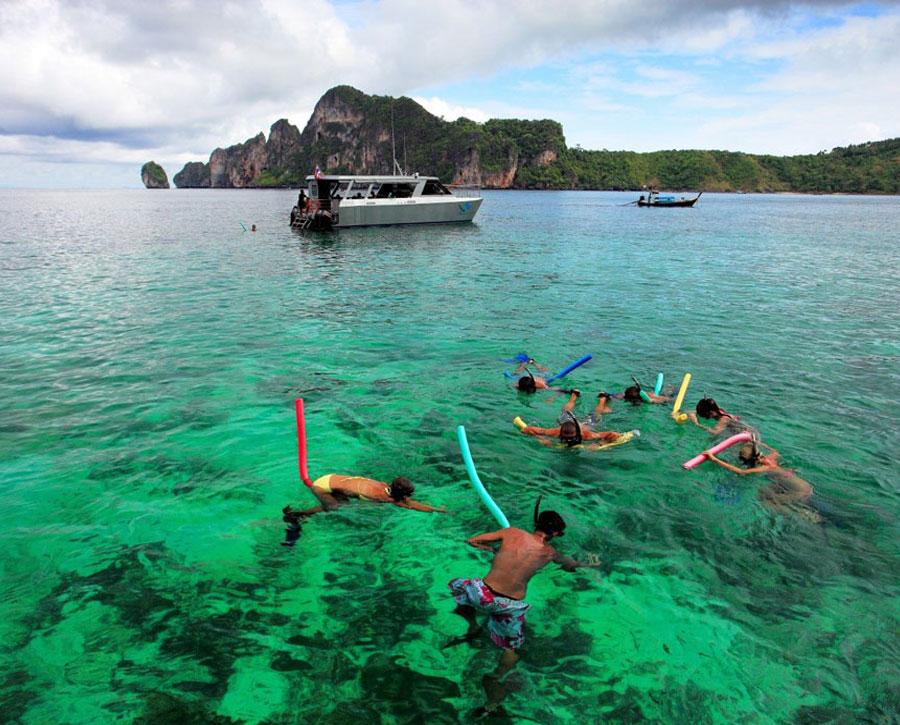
[151, 352]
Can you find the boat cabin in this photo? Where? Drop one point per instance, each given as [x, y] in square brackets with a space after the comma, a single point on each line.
[373, 187]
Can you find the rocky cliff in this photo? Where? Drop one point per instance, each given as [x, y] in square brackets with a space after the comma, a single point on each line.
[353, 133]
[350, 132]
[154, 176]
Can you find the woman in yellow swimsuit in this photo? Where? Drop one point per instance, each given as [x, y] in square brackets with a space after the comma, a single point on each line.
[334, 490]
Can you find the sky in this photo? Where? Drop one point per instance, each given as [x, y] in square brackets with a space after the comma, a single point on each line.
[92, 89]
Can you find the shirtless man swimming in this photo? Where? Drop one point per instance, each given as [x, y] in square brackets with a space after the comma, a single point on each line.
[501, 594]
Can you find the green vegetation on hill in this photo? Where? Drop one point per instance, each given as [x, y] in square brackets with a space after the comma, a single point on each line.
[351, 133]
[154, 176]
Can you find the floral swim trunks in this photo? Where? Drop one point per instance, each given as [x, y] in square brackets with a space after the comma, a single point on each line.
[507, 622]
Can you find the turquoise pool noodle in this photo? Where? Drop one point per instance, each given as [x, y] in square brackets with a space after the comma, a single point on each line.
[476, 482]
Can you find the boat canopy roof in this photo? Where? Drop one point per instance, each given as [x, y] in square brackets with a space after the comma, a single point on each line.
[383, 178]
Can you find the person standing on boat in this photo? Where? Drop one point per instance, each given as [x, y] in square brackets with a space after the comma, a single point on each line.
[501, 594]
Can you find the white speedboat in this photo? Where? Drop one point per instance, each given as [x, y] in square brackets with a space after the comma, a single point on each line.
[338, 202]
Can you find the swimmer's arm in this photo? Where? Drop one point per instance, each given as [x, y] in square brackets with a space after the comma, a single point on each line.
[768, 448]
[693, 418]
[483, 541]
[531, 430]
[607, 436]
[722, 463]
[420, 506]
[569, 564]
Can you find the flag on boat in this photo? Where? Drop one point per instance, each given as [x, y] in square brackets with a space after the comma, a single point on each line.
[318, 172]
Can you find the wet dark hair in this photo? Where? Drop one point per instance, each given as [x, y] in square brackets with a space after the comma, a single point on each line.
[633, 395]
[749, 453]
[550, 522]
[707, 408]
[401, 488]
[526, 383]
[604, 394]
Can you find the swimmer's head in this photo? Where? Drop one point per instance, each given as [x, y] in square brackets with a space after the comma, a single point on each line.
[526, 384]
[707, 408]
[401, 488]
[633, 395]
[570, 432]
[551, 523]
[603, 395]
[749, 454]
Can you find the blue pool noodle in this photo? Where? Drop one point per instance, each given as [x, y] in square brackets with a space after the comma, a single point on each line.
[566, 371]
[476, 482]
[659, 382]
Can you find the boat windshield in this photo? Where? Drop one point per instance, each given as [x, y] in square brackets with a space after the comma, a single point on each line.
[433, 188]
[393, 190]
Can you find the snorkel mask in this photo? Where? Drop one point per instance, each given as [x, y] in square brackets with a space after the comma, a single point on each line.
[576, 439]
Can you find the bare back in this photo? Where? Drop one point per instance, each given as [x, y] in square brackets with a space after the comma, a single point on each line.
[359, 487]
[521, 556]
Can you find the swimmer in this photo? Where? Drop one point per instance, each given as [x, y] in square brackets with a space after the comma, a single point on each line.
[253, 228]
[633, 395]
[501, 594]
[529, 382]
[707, 409]
[788, 493]
[334, 490]
[572, 433]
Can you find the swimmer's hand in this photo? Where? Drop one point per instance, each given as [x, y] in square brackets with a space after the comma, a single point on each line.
[693, 417]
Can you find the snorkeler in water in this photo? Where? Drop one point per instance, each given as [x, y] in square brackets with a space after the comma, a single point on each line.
[787, 493]
[529, 383]
[708, 410]
[570, 432]
[633, 395]
[501, 594]
[334, 490]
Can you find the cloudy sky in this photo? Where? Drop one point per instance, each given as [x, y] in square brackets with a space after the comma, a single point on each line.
[91, 89]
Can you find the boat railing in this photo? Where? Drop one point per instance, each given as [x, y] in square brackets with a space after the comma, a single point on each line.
[468, 191]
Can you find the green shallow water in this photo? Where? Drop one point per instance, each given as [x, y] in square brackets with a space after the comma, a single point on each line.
[151, 353]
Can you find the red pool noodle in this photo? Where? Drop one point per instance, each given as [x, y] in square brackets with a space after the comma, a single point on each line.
[301, 443]
[718, 448]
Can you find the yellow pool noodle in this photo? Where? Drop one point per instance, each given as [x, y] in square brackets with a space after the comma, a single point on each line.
[519, 422]
[676, 411]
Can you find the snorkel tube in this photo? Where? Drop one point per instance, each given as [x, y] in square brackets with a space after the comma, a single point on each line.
[578, 439]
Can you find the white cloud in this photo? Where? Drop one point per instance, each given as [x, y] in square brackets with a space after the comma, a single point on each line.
[173, 79]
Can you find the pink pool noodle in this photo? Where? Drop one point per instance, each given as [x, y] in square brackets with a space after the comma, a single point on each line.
[718, 448]
[301, 442]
